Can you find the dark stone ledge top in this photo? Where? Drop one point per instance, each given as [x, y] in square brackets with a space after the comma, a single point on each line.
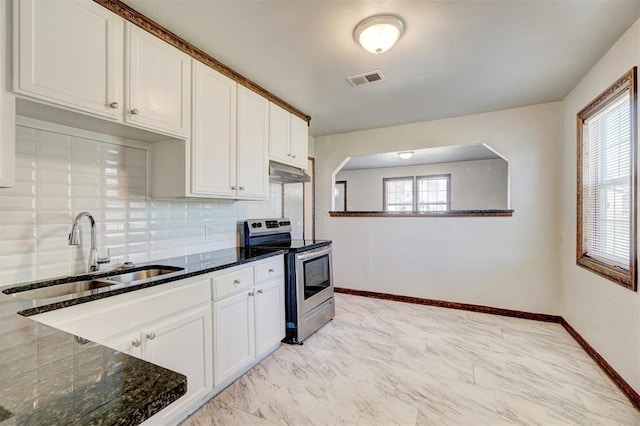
[47, 377]
[190, 266]
[448, 213]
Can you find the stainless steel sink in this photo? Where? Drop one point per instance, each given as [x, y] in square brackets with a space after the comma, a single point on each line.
[82, 287]
[62, 289]
[130, 277]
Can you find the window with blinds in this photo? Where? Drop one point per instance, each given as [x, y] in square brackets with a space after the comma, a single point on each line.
[607, 181]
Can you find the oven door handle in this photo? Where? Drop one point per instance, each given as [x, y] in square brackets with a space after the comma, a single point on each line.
[313, 253]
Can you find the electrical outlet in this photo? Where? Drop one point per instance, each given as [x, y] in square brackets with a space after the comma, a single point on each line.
[208, 232]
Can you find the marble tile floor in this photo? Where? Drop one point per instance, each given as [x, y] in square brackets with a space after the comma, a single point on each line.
[390, 363]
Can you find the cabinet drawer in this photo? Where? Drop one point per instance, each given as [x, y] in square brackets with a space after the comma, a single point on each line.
[270, 270]
[232, 282]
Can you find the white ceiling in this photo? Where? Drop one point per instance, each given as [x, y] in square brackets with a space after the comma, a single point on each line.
[456, 58]
[442, 154]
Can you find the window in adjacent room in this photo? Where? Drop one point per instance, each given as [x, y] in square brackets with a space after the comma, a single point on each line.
[433, 193]
[422, 193]
[398, 194]
[607, 139]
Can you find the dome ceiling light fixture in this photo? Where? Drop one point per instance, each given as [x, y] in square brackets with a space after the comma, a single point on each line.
[405, 155]
[378, 33]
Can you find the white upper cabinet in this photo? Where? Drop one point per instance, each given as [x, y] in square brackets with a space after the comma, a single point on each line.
[253, 137]
[7, 105]
[70, 53]
[279, 134]
[226, 156]
[78, 55]
[299, 142]
[288, 137]
[213, 133]
[158, 89]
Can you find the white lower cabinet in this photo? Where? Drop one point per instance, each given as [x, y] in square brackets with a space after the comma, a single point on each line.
[249, 320]
[182, 343]
[233, 335]
[176, 326]
[129, 343]
[269, 316]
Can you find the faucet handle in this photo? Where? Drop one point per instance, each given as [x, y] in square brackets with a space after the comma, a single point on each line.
[106, 259]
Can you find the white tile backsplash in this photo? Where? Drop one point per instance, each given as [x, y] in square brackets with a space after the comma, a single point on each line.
[59, 174]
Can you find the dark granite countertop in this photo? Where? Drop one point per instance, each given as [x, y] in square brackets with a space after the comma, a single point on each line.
[443, 213]
[47, 377]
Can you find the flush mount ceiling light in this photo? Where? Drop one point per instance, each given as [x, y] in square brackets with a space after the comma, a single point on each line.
[405, 155]
[378, 33]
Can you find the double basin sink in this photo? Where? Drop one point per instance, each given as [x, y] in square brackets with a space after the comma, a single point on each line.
[123, 278]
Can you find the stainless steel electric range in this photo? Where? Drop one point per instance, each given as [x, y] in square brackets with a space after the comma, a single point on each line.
[309, 299]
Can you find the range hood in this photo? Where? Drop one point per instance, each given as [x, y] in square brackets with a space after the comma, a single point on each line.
[281, 173]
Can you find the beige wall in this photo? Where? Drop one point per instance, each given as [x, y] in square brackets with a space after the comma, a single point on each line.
[510, 262]
[480, 184]
[606, 314]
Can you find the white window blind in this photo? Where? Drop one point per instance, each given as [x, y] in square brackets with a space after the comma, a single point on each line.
[606, 190]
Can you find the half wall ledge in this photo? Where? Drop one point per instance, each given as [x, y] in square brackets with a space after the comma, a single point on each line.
[449, 213]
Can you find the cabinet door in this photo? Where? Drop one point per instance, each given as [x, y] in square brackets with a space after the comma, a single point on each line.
[158, 80]
[129, 343]
[253, 135]
[213, 132]
[299, 142]
[182, 343]
[70, 53]
[233, 336]
[279, 131]
[270, 323]
[7, 104]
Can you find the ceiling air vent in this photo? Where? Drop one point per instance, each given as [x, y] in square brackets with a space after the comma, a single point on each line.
[366, 78]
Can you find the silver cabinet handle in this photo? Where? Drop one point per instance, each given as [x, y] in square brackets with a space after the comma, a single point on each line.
[136, 343]
[241, 188]
[294, 156]
[134, 111]
[271, 270]
[114, 105]
[234, 187]
[236, 281]
[252, 293]
[289, 155]
[260, 291]
[151, 336]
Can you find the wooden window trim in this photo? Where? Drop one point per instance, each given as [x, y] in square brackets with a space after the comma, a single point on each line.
[625, 278]
[343, 182]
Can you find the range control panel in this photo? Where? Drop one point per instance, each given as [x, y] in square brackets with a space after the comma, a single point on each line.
[267, 226]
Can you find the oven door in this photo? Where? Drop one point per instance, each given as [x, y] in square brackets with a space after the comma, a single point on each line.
[314, 278]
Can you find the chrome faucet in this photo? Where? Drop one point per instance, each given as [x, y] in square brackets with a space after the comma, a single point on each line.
[74, 240]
